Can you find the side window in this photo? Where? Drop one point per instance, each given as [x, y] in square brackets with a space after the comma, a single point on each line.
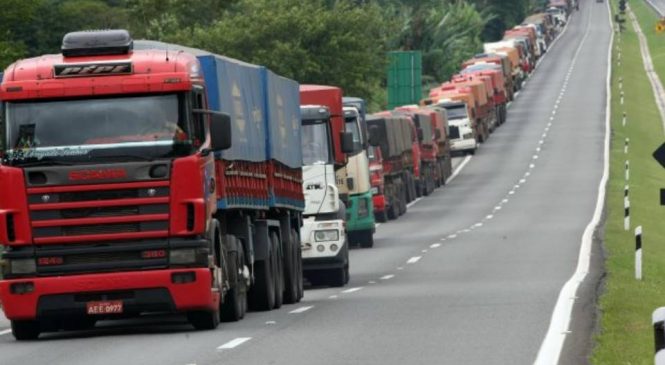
[198, 102]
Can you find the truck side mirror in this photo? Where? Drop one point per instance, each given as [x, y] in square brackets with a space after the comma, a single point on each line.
[220, 131]
[437, 134]
[420, 134]
[347, 142]
[374, 136]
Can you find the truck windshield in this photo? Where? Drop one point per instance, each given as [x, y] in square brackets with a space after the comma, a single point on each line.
[353, 127]
[146, 127]
[315, 143]
[456, 112]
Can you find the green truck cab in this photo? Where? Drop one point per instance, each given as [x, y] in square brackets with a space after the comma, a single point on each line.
[360, 223]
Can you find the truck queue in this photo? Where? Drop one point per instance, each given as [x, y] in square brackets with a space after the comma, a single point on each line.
[203, 185]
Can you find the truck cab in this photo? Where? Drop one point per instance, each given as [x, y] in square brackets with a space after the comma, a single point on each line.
[360, 210]
[324, 243]
[461, 132]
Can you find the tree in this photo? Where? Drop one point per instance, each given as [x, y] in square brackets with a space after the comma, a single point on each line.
[340, 44]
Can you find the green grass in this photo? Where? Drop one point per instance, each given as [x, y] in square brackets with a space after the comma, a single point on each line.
[625, 335]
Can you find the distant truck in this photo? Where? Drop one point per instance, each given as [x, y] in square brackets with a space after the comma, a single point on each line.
[360, 221]
[150, 206]
[325, 143]
[392, 134]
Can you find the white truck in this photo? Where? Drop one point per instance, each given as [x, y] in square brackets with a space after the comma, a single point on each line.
[461, 132]
[325, 250]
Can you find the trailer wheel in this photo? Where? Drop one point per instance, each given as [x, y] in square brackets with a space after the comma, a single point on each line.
[402, 202]
[26, 330]
[366, 239]
[235, 301]
[292, 274]
[262, 293]
[278, 270]
[381, 216]
[204, 320]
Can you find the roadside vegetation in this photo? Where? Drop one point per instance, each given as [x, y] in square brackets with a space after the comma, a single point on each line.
[337, 42]
[625, 335]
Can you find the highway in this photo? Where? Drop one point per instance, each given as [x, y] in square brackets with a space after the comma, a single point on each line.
[658, 5]
[470, 275]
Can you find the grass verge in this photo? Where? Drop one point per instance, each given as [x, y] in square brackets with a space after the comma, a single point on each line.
[625, 335]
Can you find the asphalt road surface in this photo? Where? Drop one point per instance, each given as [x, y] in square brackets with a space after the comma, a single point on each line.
[659, 6]
[469, 275]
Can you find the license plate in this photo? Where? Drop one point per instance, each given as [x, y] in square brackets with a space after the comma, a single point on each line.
[107, 307]
[375, 190]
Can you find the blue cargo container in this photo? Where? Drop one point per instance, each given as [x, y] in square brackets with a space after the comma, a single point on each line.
[264, 107]
[235, 88]
[283, 97]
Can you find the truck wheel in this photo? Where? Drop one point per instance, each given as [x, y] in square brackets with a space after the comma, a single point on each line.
[204, 320]
[291, 273]
[366, 239]
[402, 204]
[262, 293]
[340, 276]
[25, 330]
[235, 301]
[381, 216]
[278, 273]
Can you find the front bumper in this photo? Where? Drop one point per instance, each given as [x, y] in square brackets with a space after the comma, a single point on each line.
[312, 249]
[463, 144]
[140, 291]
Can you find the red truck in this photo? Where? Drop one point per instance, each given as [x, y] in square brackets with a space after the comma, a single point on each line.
[497, 86]
[392, 134]
[122, 192]
[424, 124]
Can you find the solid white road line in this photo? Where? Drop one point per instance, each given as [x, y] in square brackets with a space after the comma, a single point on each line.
[552, 345]
[347, 291]
[459, 168]
[301, 309]
[413, 202]
[413, 260]
[234, 343]
[5, 332]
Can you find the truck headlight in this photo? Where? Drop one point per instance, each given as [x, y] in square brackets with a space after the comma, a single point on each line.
[327, 235]
[22, 266]
[468, 135]
[182, 256]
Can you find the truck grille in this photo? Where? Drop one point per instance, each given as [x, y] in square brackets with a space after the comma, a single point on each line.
[454, 132]
[84, 213]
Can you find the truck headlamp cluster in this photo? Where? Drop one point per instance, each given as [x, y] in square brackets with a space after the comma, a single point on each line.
[326, 235]
[22, 266]
[189, 256]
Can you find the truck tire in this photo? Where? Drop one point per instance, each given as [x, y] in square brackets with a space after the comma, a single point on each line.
[204, 320]
[235, 301]
[278, 272]
[366, 239]
[381, 216]
[402, 202]
[292, 271]
[26, 330]
[340, 276]
[262, 293]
